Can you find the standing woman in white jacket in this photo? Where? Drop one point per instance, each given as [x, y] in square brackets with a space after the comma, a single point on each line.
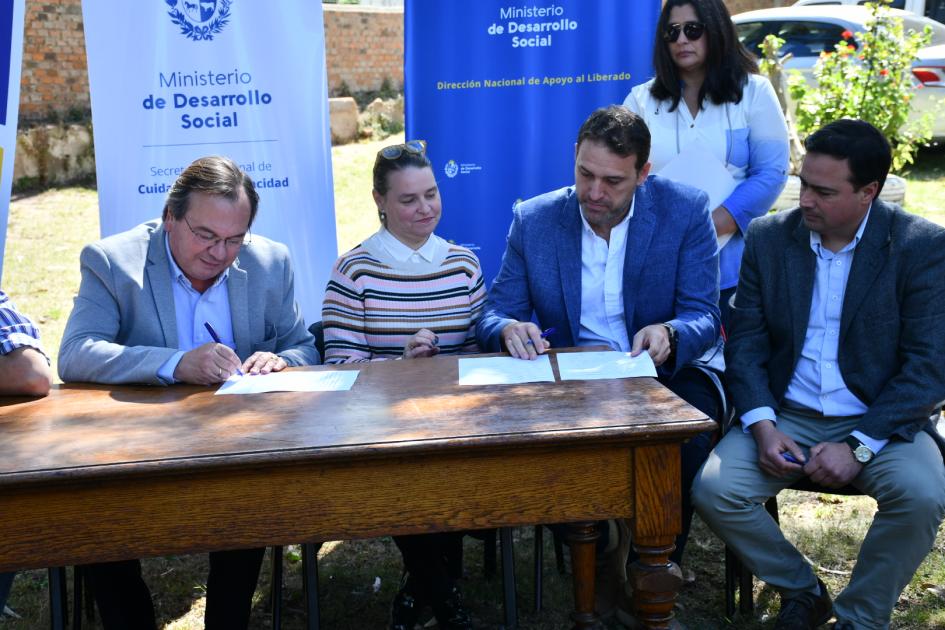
[707, 89]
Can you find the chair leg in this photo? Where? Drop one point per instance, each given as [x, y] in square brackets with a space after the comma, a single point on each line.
[731, 573]
[275, 592]
[508, 579]
[57, 597]
[488, 558]
[539, 564]
[310, 584]
[746, 595]
[89, 596]
[559, 553]
[77, 597]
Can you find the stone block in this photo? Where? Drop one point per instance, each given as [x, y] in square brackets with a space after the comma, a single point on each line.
[343, 115]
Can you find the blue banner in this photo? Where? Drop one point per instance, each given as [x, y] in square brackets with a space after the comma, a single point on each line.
[499, 90]
[11, 56]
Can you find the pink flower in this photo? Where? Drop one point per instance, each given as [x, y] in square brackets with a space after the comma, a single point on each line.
[883, 72]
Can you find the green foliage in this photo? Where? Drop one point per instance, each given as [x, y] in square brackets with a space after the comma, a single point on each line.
[872, 83]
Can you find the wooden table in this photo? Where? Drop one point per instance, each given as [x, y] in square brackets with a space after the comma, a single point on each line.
[97, 473]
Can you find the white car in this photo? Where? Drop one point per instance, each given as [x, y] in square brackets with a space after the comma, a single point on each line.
[810, 30]
[934, 9]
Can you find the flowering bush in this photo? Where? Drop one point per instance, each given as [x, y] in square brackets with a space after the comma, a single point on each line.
[868, 76]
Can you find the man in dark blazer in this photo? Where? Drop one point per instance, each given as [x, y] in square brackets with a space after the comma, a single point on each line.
[145, 297]
[619, 259]
[836, 361]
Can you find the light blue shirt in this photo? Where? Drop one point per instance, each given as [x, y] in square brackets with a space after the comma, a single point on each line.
[191, 309]
[817, 383]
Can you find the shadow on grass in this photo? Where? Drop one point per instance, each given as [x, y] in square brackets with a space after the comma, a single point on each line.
[828, 531]
[29, 190]
[929, 164]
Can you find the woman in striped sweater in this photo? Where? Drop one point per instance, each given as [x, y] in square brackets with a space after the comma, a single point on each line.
[407, 293]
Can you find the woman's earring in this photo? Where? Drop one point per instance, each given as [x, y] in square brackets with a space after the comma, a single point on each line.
[382, 215]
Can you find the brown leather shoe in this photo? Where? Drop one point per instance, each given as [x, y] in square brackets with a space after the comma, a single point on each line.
[806, 611]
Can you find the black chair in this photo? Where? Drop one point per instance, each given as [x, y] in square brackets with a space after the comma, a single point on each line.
[738, 577]
[310, 577]
[58, 600]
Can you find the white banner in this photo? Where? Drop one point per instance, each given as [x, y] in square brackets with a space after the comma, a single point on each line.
[174, 80]
[11, 58]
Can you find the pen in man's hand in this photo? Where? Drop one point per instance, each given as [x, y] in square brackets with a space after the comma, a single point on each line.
[216, 338]
[544, 334]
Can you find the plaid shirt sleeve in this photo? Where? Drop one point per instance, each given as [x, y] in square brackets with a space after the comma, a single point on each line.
[16, 329]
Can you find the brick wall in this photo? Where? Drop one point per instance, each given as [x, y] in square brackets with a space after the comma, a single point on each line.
[363, 46]
[54, 80]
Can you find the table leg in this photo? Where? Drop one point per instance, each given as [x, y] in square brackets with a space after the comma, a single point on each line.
[582, 538]
[657, 520]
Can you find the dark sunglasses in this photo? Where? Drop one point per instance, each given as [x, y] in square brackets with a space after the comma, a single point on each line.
[693, 31]
[417, 147]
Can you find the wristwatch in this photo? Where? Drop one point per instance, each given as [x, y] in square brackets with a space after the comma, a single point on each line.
[861, 452]
[673, 338]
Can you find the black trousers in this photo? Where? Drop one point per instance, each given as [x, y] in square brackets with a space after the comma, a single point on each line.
[428, 559]
[124, 600]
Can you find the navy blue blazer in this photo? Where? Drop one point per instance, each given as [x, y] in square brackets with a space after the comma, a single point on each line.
[892, 323]
[670, 273]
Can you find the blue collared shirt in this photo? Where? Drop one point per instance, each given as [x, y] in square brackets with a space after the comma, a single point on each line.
[16, 329]
[817, 383]
[191, 309]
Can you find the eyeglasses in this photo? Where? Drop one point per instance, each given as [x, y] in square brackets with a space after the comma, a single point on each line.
[212, 240]
[693, 31]
[417, 147]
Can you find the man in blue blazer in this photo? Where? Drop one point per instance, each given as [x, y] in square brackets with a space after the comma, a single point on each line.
[836, 361]
[619, 259]
[140, 317]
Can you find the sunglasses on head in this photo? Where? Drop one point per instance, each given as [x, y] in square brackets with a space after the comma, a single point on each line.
[418, 147]
[693, 31]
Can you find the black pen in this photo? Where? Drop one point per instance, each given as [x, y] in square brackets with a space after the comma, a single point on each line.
[216, 338]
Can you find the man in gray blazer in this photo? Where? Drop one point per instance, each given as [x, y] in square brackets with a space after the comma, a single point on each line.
[188, 299]
[835, 363]
[622, 260]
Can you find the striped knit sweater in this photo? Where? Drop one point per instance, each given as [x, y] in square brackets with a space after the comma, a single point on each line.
[373, 304]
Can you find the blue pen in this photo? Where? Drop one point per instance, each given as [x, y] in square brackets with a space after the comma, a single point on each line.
[544, 334]
[216, 338]
[790, 458]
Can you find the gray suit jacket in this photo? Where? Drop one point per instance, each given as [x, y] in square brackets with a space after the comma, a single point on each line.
[670, 272]
[123, 327]
[892, 326]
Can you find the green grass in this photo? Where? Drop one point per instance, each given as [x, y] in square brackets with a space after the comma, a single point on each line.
[926, 179]
[44, 237]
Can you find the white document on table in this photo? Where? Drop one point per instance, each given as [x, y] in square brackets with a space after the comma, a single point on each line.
[504, 371]
[589, 366]
[697, 166]
[294, 381]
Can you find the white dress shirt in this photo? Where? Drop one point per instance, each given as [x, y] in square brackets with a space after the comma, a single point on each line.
[602, 314]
